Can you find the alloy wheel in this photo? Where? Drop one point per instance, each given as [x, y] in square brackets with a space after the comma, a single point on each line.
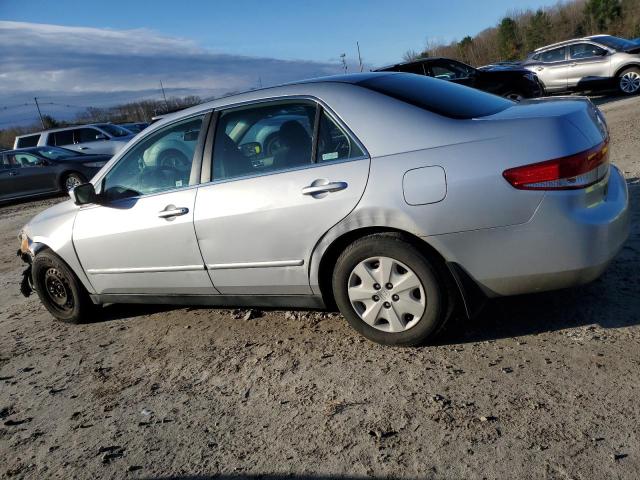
[386, 294]
[630, 82]
[71, 182]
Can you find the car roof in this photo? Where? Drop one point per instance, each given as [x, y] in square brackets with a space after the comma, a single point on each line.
[592, 38]
[269, 92]
[60, 129]
[419, 61]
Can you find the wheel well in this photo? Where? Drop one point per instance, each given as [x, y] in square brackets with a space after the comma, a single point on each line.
[622, 69]
[328, 261]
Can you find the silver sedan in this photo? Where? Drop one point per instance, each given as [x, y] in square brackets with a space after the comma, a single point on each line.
[401, 199]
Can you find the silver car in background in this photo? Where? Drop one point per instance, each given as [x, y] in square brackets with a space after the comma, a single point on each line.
[586, 64]
[95, 138]
[397, 197]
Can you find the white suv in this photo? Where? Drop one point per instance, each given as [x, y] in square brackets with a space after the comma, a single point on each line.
[102, 138]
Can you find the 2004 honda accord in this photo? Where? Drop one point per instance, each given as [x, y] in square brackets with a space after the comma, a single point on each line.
[394, 196]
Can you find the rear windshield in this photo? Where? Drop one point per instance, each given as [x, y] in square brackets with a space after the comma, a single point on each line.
[29, 141]
[615, 42]
[438, 96]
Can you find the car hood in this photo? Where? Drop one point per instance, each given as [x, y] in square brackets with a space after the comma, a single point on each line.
[59, 211]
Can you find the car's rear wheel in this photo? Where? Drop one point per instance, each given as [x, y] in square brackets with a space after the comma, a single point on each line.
[59, 289]
[72, 180]
[629, 81]
[389, 291]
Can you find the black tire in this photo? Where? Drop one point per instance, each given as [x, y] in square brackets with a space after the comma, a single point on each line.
[515, 95]
[72, 177]
[633, 72]
[399, 249]
[55, 283]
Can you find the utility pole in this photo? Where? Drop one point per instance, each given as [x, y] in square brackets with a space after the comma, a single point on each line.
[359, 57]
[166, 104]
[344, 61]
[35, 99]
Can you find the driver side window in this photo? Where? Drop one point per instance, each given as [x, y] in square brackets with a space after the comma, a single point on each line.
[159, 163]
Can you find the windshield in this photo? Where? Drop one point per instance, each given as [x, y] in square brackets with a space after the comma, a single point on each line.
[114, 130]
[54, 153]
[615, 42]
[438, 96]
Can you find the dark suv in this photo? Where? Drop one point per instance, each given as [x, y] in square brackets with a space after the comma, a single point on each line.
[515, 83]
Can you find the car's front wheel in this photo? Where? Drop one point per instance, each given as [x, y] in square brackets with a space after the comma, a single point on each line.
[59, 289]
[389, 291]
[629, 81]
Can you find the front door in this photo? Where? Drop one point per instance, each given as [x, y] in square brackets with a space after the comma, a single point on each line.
[140, 238]
[278, 185]
[552, 67]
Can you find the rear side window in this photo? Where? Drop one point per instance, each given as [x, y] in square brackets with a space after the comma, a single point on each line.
[334, 143]
[585, 50]
[62, 138]
[444, 98]
[88, 135]
[28, 141]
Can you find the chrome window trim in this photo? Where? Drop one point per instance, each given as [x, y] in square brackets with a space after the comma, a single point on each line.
[277, 172]
[234, 266]
[177, 268]
[313, 164]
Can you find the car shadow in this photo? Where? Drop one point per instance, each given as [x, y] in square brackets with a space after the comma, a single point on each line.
[271, 476]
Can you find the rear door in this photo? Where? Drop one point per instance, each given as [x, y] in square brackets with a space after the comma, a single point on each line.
[552, 68]
[31, 174]
[589, 67]
[7, 179]
[259, 219]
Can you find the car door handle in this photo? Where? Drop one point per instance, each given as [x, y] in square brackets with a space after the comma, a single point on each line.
[573, 64]
[540, 69]
[83, 148]
[171, 211]
[13, 173]
[326, 188]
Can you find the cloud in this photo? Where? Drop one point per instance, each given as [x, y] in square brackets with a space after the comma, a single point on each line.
[94, 64]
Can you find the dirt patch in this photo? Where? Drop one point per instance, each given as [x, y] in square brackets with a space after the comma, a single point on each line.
[540, 386]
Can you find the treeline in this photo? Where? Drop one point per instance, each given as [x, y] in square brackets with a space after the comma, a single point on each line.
[522, 31]
[141, 111]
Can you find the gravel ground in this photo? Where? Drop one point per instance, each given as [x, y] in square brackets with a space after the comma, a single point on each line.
[539, 386]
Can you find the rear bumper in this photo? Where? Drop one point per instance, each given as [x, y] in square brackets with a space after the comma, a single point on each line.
[569, 241]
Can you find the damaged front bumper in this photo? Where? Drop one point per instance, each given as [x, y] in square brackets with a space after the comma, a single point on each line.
[26, 254]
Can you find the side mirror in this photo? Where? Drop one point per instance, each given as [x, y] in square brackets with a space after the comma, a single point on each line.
[83, 194]
[101, 136]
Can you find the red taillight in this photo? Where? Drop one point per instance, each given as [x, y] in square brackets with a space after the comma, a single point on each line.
[566, 173]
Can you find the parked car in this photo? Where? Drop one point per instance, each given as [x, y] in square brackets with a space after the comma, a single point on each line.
[98, 138]
[512, 83]
[134, 127]
[410, 198]
[28, 172]
[599, 62]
